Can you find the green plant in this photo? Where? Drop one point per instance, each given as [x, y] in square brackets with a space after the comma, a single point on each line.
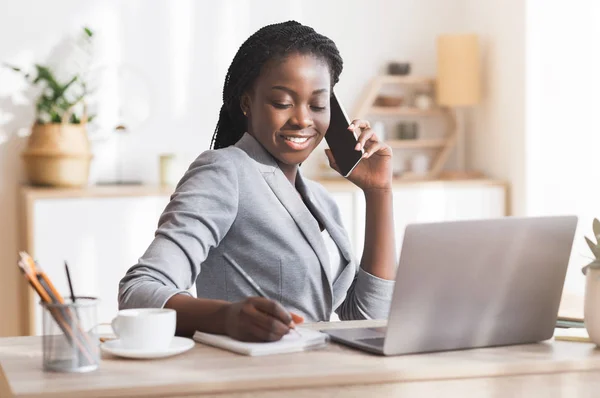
[594, 247]
[60, 101]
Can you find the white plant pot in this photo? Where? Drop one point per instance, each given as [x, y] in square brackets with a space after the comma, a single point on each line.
[591, 309]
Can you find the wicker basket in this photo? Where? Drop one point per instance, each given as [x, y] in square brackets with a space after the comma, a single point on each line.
[58, 155]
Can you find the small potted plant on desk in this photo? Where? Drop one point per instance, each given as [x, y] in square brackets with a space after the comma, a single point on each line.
[591, 308]
[58, 150]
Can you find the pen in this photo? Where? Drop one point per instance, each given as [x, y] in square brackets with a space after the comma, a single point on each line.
[251, 281]
[69, 282]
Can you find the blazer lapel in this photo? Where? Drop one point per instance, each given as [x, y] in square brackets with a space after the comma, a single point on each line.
[335, 231]
[289, 198]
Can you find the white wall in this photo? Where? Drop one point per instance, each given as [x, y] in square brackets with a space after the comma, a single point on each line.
[183, 49]
[563, 138]
[496, 132]
[537, 126]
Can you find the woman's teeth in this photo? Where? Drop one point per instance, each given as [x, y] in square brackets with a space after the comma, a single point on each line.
[298, 140]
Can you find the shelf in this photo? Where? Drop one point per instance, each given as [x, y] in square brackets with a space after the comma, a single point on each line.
[340, 184]
[410, 176]
[412, 144]
[440, 148]
[96, 191]
[404, 111]
[391, 79]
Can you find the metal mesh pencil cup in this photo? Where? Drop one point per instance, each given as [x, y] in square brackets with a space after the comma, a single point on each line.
[70, 342]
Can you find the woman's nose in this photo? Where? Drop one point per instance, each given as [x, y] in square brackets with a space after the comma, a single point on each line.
[302, 118]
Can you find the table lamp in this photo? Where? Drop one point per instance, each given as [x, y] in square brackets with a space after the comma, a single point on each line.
[458, 80]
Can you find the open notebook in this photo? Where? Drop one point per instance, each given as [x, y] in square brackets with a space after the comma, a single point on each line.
[292, 342]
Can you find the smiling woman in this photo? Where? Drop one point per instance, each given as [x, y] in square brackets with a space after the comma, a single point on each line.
[278, 91]
[287, 109]
[244, 222]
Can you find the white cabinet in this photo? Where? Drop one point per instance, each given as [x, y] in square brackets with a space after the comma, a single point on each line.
[102, 231]
[100, 238]
[424, 202]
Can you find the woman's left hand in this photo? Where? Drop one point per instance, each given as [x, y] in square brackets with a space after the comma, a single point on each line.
[374, 171]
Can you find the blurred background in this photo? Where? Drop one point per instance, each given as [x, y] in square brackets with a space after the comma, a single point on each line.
[515, 134]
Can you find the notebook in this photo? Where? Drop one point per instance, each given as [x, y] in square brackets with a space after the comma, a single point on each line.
[305, 339]
[572, 334]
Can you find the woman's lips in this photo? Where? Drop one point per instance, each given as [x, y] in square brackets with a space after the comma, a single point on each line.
[297, 142]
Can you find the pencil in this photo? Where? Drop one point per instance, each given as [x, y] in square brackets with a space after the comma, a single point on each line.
[251, 281]
[63, 313]
[58, 316]
[48, 293]
[245, 275]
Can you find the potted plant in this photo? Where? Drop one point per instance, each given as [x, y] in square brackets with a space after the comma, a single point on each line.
[591, 309]
[58, 150]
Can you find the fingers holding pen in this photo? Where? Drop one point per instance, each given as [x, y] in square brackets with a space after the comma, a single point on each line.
[259, 319]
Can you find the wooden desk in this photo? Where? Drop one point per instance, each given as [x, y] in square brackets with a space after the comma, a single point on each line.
[549, 369]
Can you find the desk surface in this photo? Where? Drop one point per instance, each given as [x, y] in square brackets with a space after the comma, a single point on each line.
[547, 368]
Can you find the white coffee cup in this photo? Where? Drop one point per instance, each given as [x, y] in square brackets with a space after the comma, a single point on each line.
[145, 328]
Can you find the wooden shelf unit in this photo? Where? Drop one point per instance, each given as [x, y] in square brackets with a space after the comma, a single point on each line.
[443, 146]
[408, 79]
[405, 111]
[416, 144]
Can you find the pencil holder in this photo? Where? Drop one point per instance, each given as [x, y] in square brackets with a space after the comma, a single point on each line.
[70, 342]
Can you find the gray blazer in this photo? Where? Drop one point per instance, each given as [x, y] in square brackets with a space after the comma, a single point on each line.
[237, 201]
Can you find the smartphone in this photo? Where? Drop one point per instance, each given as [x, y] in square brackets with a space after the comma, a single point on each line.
[342, 141]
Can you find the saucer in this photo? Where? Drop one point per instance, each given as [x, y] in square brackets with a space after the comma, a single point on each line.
[177, 346]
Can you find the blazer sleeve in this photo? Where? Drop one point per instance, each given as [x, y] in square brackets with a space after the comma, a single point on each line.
[198, 216]
[369, 297]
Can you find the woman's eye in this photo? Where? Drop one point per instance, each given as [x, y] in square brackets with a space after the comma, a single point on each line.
[279, 105]
[319, 108]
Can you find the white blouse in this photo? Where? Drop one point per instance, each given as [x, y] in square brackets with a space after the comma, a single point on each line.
[336, 260]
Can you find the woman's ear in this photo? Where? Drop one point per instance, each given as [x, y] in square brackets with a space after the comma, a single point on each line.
[245, 102]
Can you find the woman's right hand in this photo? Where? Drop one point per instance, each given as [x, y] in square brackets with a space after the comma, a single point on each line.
[258, 319]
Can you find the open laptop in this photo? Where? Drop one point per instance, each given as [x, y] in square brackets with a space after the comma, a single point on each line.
[468, 284]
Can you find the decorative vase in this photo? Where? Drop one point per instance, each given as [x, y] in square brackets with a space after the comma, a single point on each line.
[399, 68]
[58, 154]
[591, 308]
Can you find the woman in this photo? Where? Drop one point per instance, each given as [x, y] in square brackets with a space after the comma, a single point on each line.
[246, 205]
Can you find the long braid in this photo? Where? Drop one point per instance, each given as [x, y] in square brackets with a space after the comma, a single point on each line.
[270, 42]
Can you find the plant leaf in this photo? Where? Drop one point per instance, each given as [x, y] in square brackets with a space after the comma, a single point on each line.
[44, 74]
[88, 31]
[61, 91]
[596, 227]
[55, 117]
[11, 67]
[593, 247]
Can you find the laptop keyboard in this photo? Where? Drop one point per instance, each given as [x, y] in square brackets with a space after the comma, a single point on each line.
[373, 341]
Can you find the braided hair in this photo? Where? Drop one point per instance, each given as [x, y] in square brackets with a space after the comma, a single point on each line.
[274, 41]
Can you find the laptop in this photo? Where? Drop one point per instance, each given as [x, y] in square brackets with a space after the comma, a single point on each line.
[469, 284]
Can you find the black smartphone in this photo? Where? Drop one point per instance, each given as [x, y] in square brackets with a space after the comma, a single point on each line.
[342, 141]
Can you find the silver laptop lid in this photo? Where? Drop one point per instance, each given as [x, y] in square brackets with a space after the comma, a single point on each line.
[479, 283]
